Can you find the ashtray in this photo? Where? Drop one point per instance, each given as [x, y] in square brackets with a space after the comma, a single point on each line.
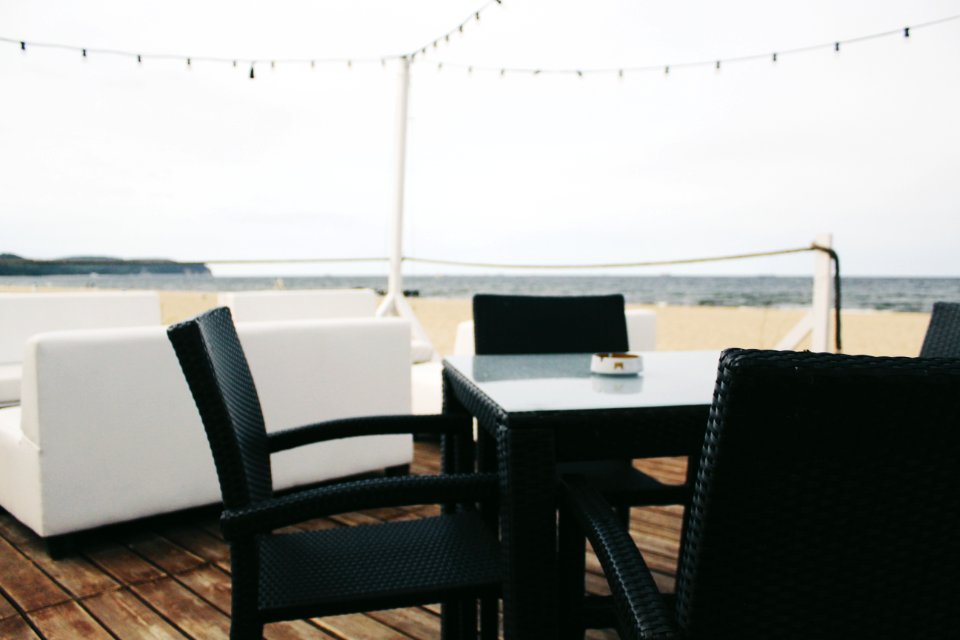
[616, 364]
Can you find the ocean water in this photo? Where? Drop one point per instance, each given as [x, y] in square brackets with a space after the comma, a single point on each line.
[898, 294]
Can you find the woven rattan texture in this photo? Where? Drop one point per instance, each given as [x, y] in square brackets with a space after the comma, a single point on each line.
[452, 558]
[216, 369]
[641, 610]
[394, 564]
[827, 500]
[943, 334]
[548, 324]
[358, 495]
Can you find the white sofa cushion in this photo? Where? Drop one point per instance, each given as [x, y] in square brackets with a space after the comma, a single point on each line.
[10, 382]
[25, 314]
[299, 304]
[108, 431]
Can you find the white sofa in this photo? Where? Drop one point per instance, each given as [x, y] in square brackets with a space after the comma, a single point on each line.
[426, 377]
[25, 314]
[107, 430]
[310, 304]
[299, 304]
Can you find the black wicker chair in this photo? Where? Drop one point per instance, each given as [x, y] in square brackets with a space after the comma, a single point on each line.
[452, 558]
[826, 505]
[506, 324]
[943, 333]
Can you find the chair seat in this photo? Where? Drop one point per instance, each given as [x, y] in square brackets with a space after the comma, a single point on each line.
[378, 566]
[622, 484]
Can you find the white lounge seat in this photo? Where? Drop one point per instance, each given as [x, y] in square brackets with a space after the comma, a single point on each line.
[426, 376]
[107, 430]
[310, 304]
[25, 314]
[299, 304]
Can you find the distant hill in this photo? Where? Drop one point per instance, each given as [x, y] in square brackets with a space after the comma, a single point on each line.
[14, 265]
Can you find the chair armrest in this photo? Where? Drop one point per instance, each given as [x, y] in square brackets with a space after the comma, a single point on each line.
[459, 425]
[640, 608]
[285, 510]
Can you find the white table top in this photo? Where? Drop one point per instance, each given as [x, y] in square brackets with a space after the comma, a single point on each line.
[561, 382]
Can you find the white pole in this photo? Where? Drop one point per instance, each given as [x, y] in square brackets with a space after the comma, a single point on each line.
[822, 295]
[395, 280]
[394, 304]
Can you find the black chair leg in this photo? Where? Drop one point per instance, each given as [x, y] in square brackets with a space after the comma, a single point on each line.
[623, 515]
[489, 619]
[450, 616]
[571, 556]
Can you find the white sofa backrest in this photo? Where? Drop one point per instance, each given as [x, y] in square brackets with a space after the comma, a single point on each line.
[307, 304]
[641, 332]
[118, 436]
[25, 314]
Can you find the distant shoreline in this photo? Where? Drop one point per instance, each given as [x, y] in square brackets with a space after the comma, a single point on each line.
[776, 292]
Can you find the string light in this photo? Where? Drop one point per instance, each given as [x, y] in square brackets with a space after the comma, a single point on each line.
[475, 17]
[619, 71]
[716, 63]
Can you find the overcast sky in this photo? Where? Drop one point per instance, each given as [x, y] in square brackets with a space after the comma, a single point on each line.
[106, 157]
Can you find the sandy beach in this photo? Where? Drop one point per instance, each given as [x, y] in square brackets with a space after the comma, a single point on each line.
[885, 333]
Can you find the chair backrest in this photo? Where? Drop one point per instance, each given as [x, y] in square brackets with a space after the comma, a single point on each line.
[943, 333]
[548, 324]
[827, 500]
[217, 372]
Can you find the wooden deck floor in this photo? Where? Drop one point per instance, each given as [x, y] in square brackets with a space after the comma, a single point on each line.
[170, 577]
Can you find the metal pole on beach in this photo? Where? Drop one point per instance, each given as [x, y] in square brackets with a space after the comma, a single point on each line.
[394, 304]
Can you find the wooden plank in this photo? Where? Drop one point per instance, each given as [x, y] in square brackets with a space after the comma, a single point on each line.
[200, 543]
[168, 556]
[211, 584]
[126, 616]
[67, 621]
[13, 531]
[296, 630]
[16, 628]
[73, 573]
[122, 564]
[6, 609]
[24, 583]
[413, 621]
[184, 609]
[358, 627]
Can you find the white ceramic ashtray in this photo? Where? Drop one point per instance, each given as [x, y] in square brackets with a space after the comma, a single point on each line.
[616, 364]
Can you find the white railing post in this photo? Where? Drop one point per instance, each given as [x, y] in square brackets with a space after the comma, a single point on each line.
[822, 295]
